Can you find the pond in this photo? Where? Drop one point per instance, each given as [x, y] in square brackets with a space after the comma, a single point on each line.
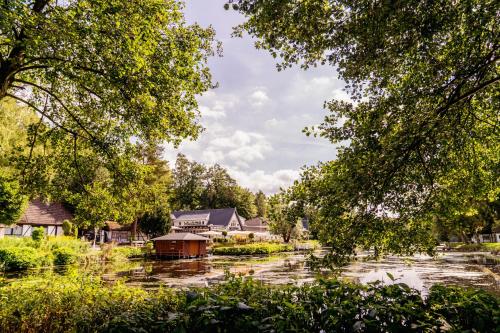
[478, 270]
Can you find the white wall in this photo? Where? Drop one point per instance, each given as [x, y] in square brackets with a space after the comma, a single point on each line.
[233, 223]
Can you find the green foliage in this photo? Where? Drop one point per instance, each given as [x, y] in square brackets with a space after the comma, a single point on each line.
[102, 72]
[79, 303]
[24, 253]
[22, 258]
[474, 218]
[465, 308]
[69, 228]
[15, 123]
[198, 187]
[286, 209]
[261, 204]
[155, 223]
[253, 248]
[64, 256]
[38, 234]
[122, 253]
[12, 201]
[76, 245]
[421, 128]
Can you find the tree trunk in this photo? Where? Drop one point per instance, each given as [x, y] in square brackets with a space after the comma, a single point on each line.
[134, 230]
[95, 237]
[464, 237]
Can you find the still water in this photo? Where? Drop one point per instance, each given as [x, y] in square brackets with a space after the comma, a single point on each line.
[478, 270]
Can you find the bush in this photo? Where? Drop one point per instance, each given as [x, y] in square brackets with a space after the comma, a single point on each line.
[64, 256]
[120, 253]
[78, 246]
[21, 258]
[85, 304]
[23, 253]
[69, 228]
[38, 234]
[254, 248]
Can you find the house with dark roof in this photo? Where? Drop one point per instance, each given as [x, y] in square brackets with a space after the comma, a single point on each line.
[257, 224]
[50, 216]
[196, 221]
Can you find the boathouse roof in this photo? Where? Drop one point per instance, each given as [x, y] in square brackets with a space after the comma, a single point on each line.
[185, 236]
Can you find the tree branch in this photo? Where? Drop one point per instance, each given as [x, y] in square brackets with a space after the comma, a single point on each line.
[92, 137]
[34, 107]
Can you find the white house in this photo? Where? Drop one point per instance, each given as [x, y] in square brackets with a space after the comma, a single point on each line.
[39, 214]
[197, 221]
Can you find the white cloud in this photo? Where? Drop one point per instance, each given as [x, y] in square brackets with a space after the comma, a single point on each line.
[273, 123]
[342, 95]
[259, 98]
[211, 156]
[207, 112]
[243, 147]
[267, 182]
[216, 106]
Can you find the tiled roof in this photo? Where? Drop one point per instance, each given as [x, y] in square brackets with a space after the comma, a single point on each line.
[220, 217]
[112, 225]
[181, 236]
[256, 222]
[189, 217]
[40, 213]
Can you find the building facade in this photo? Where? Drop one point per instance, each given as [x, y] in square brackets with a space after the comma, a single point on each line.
[196, 221]
[49, 216]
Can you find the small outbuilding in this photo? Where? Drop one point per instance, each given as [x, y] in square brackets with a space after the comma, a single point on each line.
[180, 245]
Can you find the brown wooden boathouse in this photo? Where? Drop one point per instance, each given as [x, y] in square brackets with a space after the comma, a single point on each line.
[180, 245]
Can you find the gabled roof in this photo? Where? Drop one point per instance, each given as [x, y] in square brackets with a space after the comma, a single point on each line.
[256, 222]
[40, 213]
[115, 226]
[220, 217]
[181, 236]
[195, 216]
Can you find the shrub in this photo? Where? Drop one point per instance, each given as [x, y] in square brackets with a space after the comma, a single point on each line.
[64, 256]
[38, 234]
[21, 258]
[84, 304]
[78, 246]
[69, 228]
[254, 248]
[121, 253]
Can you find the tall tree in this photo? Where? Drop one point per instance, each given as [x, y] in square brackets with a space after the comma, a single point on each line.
[219, 189]
[155, 223]
[244, 202]
[189, 183]
[12, 201]
[286, 209]
[261, 204]
[100, 73]
[196, 186]
[423, 122]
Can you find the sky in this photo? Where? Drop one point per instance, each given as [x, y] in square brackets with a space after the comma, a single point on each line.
[254, 119]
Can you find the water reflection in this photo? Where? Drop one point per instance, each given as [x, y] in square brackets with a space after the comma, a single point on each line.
[420, 272]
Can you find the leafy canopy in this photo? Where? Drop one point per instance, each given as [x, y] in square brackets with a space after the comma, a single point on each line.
[422, 126]
[101, 76]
